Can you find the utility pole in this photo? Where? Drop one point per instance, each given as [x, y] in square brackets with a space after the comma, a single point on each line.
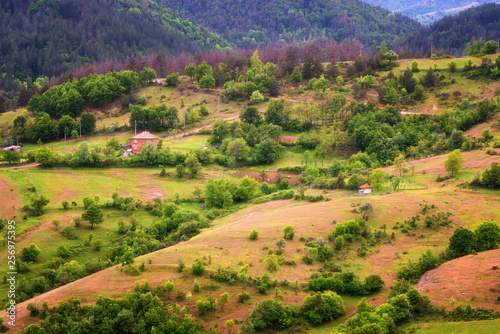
[184, 119]
[218, 105]
[135, 127]
[80, 129]
[65, 143]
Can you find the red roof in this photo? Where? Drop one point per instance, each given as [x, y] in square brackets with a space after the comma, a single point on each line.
[144, 135]
[365, 186]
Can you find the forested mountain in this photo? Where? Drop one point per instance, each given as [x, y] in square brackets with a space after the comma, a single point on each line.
[454, 32]
[259, 22]
[49, 37]
[427, 11]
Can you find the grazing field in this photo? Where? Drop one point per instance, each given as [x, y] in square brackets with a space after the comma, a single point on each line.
[469, 327]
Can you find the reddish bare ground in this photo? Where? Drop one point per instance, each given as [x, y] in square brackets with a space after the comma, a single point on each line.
[288, 139]
[469, 279]
[475, 160]
[476, 130]
[271, 177]
[11, 199]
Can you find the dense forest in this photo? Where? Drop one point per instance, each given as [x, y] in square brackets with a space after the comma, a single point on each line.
[50, 37]
[253, 23]
[427, 11]
[454, 32]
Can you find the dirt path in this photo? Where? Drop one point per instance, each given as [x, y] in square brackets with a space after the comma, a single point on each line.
[196, 131]
[25, 166]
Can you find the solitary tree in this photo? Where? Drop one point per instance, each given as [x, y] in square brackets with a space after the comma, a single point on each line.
[281, 243]
[56, 223]
[263, 175]
[229, 325]
[289, 232]
[93, 215]
[169, 287]
[454, 162]
[366, 209]
[224, 298]
[192, 164]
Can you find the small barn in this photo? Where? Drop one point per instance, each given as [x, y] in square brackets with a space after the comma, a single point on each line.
[365, 189]
[138, 142]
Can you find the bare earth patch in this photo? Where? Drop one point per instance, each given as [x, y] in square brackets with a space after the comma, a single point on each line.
[11, 199]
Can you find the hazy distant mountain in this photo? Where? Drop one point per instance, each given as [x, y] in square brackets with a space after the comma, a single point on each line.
[428, 11]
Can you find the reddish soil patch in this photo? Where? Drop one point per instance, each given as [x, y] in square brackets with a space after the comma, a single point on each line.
[272, 177]
[476, 131]
[11, 199]
[469, 279]
[288, 139]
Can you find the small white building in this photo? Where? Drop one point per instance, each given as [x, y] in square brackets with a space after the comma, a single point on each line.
[12, 148]
[365, 189]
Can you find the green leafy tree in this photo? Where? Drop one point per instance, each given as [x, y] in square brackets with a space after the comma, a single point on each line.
[37, 204]
[224, 299]
[93, 215]
[192, 164]
[254, 235]
[147, 75]
[169, 287]
[172, 79]
[88, 121]
[289, 232]
[56, 223]
[149, 154]
[414, 67]
[491, 176]
[31, 253]
[203, 70]
[190, 70]
[322, 306]
[11, 156]
[268, 151]
[271, 314]
[251, 115]
[63, 251]
[454, 162]
[462, 242]
[296, 75]
[257, 97]
[487, 236]
[377, 179]
[44, 156]
[198, 268]
[207, 81]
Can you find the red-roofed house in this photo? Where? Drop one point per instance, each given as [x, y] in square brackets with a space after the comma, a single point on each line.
[365, 189]
[142, 139]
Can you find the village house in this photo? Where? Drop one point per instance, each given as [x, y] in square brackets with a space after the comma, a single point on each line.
[365, 189]
[138, 142]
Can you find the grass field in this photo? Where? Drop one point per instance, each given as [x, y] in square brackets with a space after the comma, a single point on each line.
[470, 327]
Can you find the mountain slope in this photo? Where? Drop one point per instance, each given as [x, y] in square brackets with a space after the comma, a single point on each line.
[48, 37]
[454, 32]
[427, 11]
[252, 23]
